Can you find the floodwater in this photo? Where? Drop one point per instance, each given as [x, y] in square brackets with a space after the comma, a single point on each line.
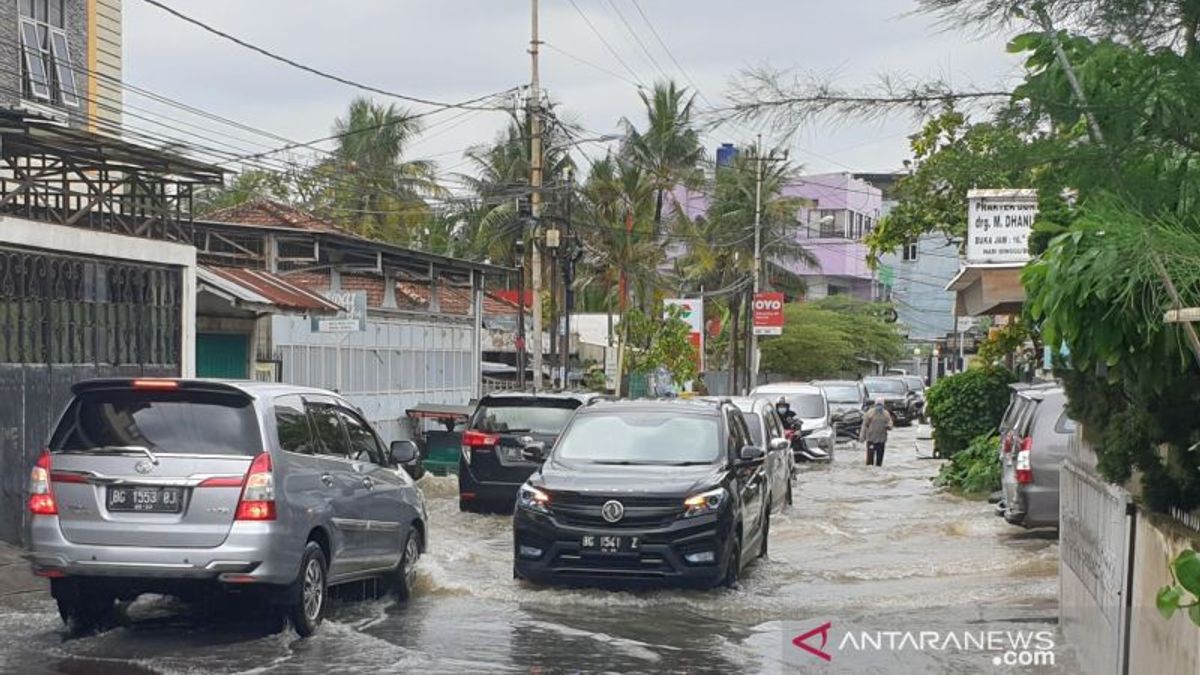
[905, 575]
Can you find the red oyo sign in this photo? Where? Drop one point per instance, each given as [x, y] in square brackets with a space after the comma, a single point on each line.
[768, 313]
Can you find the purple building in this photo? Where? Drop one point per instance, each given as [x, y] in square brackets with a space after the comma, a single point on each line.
[841, 211]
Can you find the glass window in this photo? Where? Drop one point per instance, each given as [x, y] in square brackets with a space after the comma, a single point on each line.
[807, 405]
[842, 393]
[56, 14]
[293, 427]
[364, 447]
[884, 386]
[37, 71]
[755, 423]
[547, 417]
[179, 422]
[329, 430]
[68, 89]
[641, 438]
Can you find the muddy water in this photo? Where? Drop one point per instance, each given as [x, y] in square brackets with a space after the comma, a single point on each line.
[865, 549]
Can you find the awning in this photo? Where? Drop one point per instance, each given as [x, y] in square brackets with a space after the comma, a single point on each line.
[988, 289]
[261, 291]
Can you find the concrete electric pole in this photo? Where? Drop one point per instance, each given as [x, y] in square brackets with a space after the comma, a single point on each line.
[535, 197]
[759, 166]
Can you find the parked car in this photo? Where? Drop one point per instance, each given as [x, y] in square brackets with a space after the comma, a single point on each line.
[645, 491]
[1030, 467]
[847, 402]
[182, 486]
[916, 384]
[491, 467]
[898, 398]
[811, 408]
[767, 432]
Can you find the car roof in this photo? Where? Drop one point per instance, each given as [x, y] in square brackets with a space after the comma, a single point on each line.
[743, 403]
[786, 388]
[253, 388]
[695, 406]
[836, 383]
[581, 396]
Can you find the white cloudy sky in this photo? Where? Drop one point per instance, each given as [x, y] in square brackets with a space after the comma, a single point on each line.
[456, 49]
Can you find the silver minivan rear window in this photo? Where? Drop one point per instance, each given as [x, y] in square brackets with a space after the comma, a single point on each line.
[171, 422]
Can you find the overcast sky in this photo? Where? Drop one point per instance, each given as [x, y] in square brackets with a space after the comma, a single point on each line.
[453, 50]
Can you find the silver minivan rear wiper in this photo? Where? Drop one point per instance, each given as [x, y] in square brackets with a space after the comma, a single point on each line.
[126, 449]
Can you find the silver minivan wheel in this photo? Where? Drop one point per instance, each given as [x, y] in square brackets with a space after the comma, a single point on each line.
[309, 592]
[406, 572]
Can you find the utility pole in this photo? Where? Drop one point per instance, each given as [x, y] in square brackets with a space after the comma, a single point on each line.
[758, 183]
[535, 197]
[568, 273]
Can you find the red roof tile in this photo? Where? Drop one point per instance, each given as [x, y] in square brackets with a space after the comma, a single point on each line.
[282, 293]
[271, 214]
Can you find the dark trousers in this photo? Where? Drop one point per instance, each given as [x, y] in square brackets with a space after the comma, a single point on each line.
[875, 454]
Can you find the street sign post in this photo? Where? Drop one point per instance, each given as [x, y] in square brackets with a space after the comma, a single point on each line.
[768, 313]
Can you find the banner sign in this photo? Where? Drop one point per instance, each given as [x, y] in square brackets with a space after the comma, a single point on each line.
[692, 313]
[998, 225]
[768, 313]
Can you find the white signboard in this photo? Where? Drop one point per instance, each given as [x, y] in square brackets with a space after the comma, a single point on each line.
[610, 368]
[998, 225]
[352, 319]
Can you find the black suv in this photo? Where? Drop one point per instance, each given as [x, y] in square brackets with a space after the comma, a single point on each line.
[491, 467]
[897, 396]
[645, 491]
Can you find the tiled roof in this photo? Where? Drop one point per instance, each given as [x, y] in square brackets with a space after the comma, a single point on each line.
[271, 214]
[263, 287]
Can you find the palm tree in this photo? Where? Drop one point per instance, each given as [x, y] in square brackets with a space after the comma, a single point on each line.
[669, 149]
[375, 190]
[720, 254]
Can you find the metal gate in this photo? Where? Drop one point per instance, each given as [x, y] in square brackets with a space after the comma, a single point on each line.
[64, 319]
[1095, 537]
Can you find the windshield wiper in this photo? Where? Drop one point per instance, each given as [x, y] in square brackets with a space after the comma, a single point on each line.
[125, 450]
[688, 463]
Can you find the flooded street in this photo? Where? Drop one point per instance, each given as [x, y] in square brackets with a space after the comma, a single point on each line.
[870, 549]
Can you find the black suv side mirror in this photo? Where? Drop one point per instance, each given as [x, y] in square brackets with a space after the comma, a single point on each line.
[534, 452]
[751, 455]
[403, 452]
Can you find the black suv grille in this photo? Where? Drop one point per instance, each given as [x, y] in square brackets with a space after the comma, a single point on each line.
[584, 510]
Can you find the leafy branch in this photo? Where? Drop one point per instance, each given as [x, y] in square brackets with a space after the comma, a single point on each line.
[1185, 577]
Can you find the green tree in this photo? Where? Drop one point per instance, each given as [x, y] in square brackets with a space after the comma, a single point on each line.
[369, 185]
[660, 343]
[669, 149]
[967, 405]
[834, 338]
[246, 186]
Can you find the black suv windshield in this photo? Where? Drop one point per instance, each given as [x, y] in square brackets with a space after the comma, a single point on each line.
[841, 393]
[164, 422]
[536, 416]
[884, 387]
[641, 438]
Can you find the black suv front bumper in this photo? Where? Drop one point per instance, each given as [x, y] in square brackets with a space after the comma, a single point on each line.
[658, 560]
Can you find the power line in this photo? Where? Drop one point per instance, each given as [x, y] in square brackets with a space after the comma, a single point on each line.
[606, 43]
[590, 64]
[306, 68]
[637, 39]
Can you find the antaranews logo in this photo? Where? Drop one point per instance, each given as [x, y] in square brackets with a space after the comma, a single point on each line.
[1022, 648]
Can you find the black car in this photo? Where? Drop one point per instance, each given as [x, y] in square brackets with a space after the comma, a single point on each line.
[917, 385]
[491, 467]
[847, 401]
[897, 397]
[645, 491]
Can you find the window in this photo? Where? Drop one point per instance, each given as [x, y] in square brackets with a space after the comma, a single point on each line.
[293, 427]
[640, 437]
[49, 74]
[755, 423]
[910, 252]
[329, 430]
[167, 422]
[364, 447]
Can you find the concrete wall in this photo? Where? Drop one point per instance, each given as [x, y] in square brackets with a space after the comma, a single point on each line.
[1159, 645]
[104, 62]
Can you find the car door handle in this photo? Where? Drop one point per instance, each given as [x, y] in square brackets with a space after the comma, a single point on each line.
[327, 480]
[368, 483]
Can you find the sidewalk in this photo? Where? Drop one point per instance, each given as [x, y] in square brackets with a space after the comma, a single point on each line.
[15, 577]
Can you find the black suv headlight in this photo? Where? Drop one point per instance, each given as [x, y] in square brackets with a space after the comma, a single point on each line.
[533, 499]
[703, 503]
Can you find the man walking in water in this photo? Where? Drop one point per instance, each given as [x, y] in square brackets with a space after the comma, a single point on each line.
[876, 424]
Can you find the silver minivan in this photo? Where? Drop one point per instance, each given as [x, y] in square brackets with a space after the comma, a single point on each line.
[1032, 454]
[181, 486]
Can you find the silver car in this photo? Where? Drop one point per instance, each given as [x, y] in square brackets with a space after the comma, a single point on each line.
[1032, 457]
[183, 486]
[811, 408]
[767, 432]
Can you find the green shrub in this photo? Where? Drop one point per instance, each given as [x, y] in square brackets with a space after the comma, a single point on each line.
[976, 470]
[969, 404]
